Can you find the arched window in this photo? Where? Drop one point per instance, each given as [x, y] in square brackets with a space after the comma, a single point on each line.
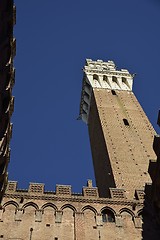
[108, 216]
[95, 77]
[114, 79]
[124, 80]
[105, 78]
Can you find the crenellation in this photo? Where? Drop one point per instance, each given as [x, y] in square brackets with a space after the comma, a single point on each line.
[63, 190]
[117, 193]
[99, 65]
[36, 188]
[11, 186]
[139, 194]
[90, 192]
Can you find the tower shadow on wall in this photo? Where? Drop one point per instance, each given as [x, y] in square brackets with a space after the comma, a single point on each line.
[151, 210]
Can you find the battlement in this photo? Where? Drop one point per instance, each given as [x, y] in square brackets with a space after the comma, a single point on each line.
[88, 192]
[105, 75]
[34, 208]
[61, 190]
[102, 75]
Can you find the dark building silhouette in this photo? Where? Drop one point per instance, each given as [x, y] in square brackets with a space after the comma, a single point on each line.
[7, 73]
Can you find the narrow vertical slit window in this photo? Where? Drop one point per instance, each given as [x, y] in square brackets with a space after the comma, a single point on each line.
[126, 123]
[113, 92]
[105, 78]
[22, 199]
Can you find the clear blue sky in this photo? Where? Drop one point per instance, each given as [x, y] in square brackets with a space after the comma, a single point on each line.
[53, 39]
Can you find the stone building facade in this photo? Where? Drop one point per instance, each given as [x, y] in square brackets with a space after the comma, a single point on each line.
[36, 214]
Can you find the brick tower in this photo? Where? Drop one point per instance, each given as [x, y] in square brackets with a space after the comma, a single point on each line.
[121, 135]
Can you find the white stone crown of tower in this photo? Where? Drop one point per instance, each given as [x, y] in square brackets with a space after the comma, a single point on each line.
[102, 75]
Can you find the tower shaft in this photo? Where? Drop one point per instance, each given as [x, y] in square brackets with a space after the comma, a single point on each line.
[121, 135]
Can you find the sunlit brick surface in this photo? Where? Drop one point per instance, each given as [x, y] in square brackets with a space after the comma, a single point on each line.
[121, 153]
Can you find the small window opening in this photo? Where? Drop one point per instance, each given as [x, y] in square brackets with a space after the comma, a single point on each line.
[22, 199]
[47, 225]
[113, 92]
[108, 216]
[56, 238]
[1, 236]
[134, 206]
[114, 79]
[104, 78]
[126, 123]
[124, 80]
[95, 77]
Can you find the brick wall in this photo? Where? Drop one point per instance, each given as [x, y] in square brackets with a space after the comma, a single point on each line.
[121, 153]
[49, 215]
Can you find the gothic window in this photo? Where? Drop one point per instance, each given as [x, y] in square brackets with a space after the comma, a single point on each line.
[114, 79]
[124, 80]
[95, 77]
[108, 216]
[105, 78]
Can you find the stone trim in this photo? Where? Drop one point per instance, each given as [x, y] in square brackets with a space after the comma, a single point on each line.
[75, 199]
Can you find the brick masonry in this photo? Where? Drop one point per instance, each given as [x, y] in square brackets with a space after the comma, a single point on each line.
[44, 215]
[121, 153]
